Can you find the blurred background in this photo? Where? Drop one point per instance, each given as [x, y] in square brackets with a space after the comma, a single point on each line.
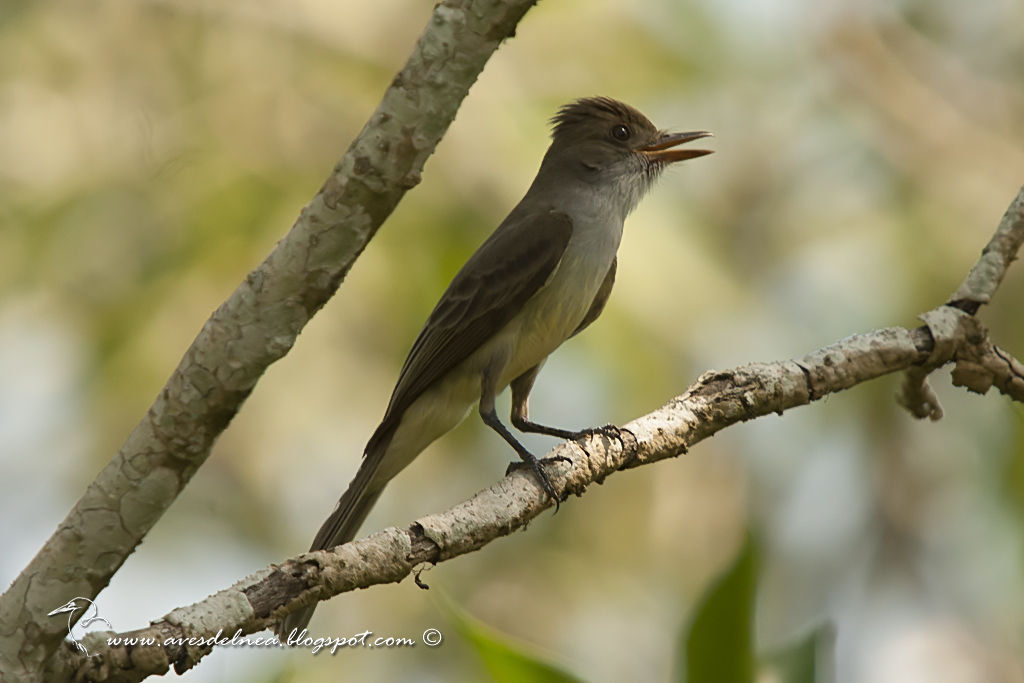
[152, 153]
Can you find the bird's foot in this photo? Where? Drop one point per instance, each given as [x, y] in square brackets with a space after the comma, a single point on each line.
[517, 465]
[536, 465]
[609, 430]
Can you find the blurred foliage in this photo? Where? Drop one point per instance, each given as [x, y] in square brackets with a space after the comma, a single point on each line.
[1014, 474]
[152, 153]
[799, 663]
[506, 661]
[719, 643]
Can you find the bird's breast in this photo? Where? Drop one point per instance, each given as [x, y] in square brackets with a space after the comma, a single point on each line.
[558, 308]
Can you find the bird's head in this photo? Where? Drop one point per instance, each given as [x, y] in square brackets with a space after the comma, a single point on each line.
[600, 134]
[608, 143]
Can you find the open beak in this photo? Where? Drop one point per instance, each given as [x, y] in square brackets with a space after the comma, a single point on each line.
[663, 150]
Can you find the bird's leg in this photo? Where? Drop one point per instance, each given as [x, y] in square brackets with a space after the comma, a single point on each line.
[521, 387]
[490, 418]
[520, 413]
[529, 459]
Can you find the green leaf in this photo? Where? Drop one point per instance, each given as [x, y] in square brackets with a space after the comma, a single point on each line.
[719, 645]
[506, 660]
[798, 663]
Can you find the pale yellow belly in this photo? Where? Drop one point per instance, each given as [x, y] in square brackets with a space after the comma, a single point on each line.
[545, 322]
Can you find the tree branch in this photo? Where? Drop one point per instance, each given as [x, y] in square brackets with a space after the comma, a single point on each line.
[987, 274]
[715, 401]
[958, 336]
[256, 326]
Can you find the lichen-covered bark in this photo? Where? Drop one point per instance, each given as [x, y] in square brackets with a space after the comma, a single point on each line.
[256, 326]
[986, 275]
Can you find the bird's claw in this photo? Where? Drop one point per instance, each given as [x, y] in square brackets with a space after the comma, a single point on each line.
[536, 465]
[609, 430]
[517, 465]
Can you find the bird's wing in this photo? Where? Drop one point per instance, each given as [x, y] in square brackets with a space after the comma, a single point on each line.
[600, 299]
[504, 273]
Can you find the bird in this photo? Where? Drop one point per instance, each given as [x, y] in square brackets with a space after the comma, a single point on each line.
[543, 276]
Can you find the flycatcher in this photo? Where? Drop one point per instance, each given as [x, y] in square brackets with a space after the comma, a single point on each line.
[543, 276]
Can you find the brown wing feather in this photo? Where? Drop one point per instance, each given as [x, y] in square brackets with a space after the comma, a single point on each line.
[600, 299]
[497, 280]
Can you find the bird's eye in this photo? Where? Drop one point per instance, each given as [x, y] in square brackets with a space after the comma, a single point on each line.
[620, 133]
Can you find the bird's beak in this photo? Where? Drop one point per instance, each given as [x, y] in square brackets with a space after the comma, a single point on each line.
[662, 150]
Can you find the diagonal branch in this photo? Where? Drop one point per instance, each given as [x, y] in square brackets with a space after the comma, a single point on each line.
[987, 274]
[715, 401]
[256, 326]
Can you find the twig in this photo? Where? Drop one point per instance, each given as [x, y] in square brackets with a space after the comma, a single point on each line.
[987, 274]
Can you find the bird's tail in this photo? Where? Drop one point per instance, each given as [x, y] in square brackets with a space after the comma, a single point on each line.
[341, 527]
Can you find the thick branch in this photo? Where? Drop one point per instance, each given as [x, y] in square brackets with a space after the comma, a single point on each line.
[256, 326]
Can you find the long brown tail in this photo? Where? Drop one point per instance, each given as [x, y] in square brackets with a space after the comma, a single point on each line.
[341, 527]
